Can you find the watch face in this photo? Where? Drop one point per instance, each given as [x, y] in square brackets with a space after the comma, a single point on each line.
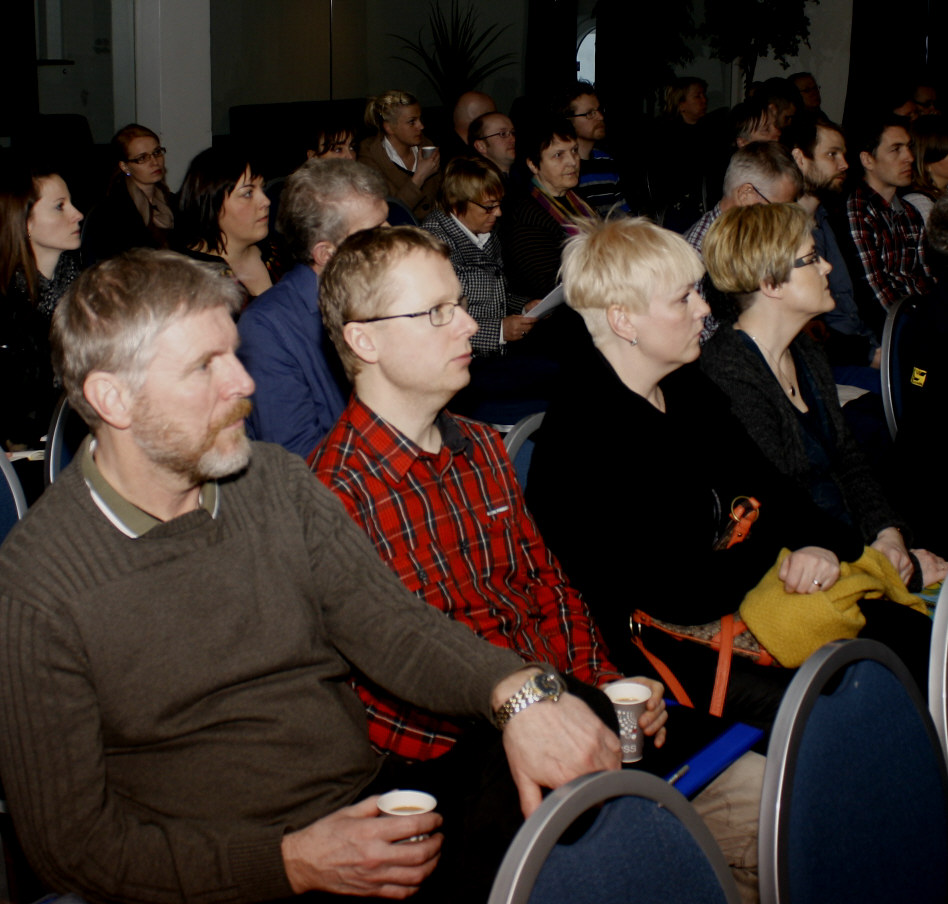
[549, 683]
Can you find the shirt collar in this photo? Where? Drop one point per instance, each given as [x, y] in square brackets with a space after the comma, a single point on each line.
[479, 239]
[395, 158]
[394, 451]
[124, 515]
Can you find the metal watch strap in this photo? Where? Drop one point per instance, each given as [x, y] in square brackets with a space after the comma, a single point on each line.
[547, 685]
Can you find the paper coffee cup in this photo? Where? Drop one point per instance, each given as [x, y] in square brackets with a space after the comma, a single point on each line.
[407, 803]
[629, 699]
[428, 151]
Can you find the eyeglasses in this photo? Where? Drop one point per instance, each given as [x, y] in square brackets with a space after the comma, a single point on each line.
[589, 114]
[440, 315]
[141, 158]
[759, 192]
[814, 257]
[487, 208]
[503, 133]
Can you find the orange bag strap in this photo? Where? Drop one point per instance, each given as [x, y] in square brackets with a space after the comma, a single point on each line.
[723, 673]
[665, 673]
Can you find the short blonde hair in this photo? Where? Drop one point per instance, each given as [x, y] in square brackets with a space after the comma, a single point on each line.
[386, 108]
[355, 284]
[750, 246]
[468, 179]
[623, 262]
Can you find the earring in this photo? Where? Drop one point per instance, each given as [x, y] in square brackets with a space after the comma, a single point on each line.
[633, 342]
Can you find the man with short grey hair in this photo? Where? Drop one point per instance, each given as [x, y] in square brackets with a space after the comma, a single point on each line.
[300, 387]
[183, 611]
[762, 172]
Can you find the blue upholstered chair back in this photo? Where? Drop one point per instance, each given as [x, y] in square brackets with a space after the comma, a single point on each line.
[855, 798]
[12, 500]
[647, 844]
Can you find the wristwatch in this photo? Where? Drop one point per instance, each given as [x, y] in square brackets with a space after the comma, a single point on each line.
[547, 685]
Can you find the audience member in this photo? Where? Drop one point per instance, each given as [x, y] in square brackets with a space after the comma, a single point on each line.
[680, 157]
[137, 209]
[471, 198]
[411, 174]
[819, 150]
[806, 84]
[199, 669]
[470, 105]
[753, 120]
[759, 173]
[782, 99]
[539, 223]
[223, 218]
[781, 389]
[888, 235]
[599, 183]
[39, 235]
[300, 388]
[333, 139]
[930, 176]
[421, 482]
[493, 136]
[633, 284]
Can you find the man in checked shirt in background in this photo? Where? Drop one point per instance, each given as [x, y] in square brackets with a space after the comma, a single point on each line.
[439, 499]
[887, 234]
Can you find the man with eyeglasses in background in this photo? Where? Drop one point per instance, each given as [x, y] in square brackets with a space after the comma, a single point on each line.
[599, 179]
[493, 137]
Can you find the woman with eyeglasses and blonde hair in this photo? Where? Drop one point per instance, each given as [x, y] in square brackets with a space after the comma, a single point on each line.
[137, 210]
[779, 383]
[401, 152]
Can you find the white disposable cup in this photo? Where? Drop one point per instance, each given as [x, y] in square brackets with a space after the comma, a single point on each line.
[428, 151]
[407, 803]
[629, 699]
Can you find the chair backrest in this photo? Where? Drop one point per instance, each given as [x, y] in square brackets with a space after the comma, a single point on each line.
[854, 805]
[938, 669]
[12, 500]
[66, 432]
[891, 368]
[519, 444]
[647, 844]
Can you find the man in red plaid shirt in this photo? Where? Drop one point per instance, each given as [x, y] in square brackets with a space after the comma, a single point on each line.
[436, 493]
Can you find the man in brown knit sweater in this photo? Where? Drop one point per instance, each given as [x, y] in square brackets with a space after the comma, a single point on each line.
[180, 615]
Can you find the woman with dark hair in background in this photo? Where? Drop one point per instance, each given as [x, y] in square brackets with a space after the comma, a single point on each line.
[334, 138]
[930, 137]
[397, 151]
[539, 224]
[223, 218]
[136, 211]
[39, 238]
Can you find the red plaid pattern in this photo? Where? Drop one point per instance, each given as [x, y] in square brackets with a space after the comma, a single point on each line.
[454, 528]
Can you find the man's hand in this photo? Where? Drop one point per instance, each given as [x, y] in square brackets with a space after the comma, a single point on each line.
[351, 852]
[890, 543]
[653, 721]
[809, 569]
[549, 744]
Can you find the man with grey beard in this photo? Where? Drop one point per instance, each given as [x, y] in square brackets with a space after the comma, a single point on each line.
[182, 611]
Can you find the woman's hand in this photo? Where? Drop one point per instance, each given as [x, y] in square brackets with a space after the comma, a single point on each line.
[426, 168]
[890, 543]
[808, 570]
[517, 326]
[934, 568]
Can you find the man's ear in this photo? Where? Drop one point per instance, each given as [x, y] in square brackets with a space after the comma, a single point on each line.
[480, 146]
[360, 341]
[867, 160]
[110, 397]
[322, 254]
[621, 323]
[798, 158]
[746, 195]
